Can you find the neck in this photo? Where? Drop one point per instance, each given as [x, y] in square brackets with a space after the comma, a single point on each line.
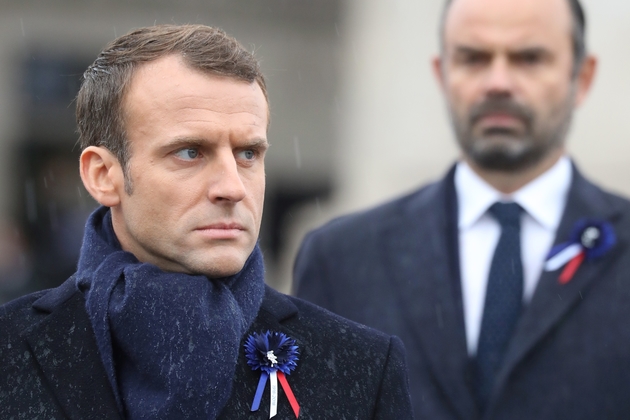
[508, 182]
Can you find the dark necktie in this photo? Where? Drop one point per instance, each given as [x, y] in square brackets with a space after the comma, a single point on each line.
[504, 296]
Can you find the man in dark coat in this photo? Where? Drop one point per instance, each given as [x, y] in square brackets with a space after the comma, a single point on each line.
[508, 280]
[167, 315]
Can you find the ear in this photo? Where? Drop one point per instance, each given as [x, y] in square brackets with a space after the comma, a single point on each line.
[102, 175]
[436, 65]
[585, 78]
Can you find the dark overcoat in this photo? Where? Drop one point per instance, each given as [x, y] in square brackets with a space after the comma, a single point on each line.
[396, 268]
[50, 367]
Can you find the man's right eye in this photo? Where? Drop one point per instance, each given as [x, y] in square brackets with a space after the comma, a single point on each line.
[188, 153]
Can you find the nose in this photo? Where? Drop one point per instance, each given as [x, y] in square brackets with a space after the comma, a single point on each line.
[499, 78]
[226, 183]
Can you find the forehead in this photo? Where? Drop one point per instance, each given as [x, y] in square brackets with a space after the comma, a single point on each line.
[167, 90]
[508, 22]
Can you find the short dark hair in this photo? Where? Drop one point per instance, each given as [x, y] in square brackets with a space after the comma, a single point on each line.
[578, 35]
[99, 110]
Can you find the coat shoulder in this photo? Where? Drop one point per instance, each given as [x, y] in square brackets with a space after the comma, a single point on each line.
[315, 323]
[23, 391]
[320, 323]
[423, 198]
[345, 370]
[18, 315]
[616, 201]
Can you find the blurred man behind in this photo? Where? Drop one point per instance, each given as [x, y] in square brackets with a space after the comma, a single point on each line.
[496, 326]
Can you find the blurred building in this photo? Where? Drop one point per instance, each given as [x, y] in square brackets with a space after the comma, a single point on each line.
[356, 115]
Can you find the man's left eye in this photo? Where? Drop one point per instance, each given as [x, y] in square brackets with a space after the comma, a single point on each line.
[247, 154]
[187, 154]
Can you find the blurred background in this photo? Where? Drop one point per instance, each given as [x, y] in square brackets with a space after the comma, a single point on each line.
[356, 115]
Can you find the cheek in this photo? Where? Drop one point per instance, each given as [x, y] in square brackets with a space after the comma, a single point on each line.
[164, 202]
[177, 189]
[256, 192]
[547, 98]
[545, 87]
[259, 196]
[462, 93]
[556, 93]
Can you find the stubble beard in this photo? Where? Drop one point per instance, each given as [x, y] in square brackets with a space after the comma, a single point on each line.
[503, 149]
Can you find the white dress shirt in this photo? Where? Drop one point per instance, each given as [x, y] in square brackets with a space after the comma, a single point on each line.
[543, 201]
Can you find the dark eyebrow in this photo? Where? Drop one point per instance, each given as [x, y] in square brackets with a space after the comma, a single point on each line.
[256, 143]
[260, 143]
[531, 51]
[465, 49]
[179, 142]
[517, 55]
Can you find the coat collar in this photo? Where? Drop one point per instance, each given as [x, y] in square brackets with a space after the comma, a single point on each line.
[423, 261]
[64, 346]
[275, 310]
[552, 301]
[277, 306]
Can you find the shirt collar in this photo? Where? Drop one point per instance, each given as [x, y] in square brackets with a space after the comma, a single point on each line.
[544, 198]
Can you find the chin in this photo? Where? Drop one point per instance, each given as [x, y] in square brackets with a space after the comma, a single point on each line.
[213, 262]
[507, 162]
[223, 266]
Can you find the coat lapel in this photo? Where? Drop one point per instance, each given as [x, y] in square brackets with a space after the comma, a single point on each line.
[275, 309]
[552, 301]
[423, 263]
[63, 345]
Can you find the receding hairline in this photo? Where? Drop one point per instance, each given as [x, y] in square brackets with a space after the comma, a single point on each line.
[472, 8]
[181, 56]
[577, 22]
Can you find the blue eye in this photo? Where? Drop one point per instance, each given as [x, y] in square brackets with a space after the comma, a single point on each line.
[188, 154]
[247, 154]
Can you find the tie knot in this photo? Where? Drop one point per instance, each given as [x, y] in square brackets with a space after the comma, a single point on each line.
[507, 214]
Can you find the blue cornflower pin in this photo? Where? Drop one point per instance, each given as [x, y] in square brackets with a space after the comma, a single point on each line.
[275, 355]
[589, 239]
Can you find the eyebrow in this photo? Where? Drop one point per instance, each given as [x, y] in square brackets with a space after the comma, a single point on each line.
[256, 143]
[179, 142]
[466, 49]
[531, 50]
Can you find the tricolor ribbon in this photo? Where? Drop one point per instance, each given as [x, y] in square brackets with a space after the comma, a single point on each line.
[275, 355]
[589, 239]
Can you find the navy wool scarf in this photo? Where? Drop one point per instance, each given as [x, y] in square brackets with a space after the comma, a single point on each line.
[169, 341]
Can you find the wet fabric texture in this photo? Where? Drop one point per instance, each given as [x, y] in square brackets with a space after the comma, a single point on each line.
[169, 341]
[51, 367]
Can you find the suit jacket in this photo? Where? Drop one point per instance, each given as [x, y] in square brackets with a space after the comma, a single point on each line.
[50, 367]
[396, 268]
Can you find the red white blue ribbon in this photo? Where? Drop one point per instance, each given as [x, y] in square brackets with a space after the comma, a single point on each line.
[275, 355]
[589, 239]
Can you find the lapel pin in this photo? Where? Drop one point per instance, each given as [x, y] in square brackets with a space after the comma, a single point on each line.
[275, 355]
[590, 239]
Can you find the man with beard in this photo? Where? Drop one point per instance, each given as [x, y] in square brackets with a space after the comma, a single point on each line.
[509, 279]
[167, 315]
